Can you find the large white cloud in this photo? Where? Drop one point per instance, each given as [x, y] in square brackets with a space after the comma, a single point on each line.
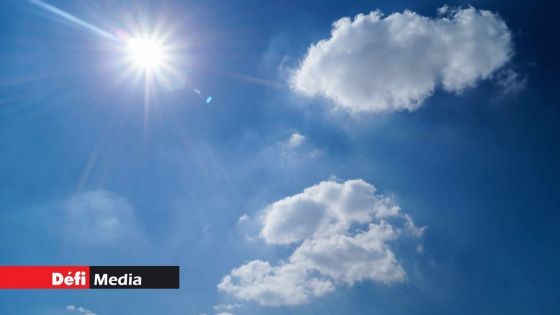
[341, 233]
[377, 63]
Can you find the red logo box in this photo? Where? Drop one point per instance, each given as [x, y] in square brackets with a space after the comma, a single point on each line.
[44, 277]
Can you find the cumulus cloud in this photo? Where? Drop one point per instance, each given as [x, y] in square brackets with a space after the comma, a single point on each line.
[342, 234]
[79, 309]
[287, 284]
[377, 63]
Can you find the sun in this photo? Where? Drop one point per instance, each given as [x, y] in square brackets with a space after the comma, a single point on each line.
[152, 59]
[146, 54]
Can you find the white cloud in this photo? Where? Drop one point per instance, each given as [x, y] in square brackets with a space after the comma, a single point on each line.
[226, 307]
[364, 256]
[342, 233]
[327, 208]
[377, 63]
[297, 148]
[295, 140]
[290, 151]
[287, 284]
[243, 218]
[511, 81]
[79, 309]
[99, 216]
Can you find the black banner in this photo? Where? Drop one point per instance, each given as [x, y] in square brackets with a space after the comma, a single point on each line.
[134, 277]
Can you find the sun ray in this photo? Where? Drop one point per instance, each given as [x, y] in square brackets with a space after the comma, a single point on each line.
[69, 17]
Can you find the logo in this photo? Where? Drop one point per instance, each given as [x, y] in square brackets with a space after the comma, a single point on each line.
[79, 279]
[124, 280]
[89, 277]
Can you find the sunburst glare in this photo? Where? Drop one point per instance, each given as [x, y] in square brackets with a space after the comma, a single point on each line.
[147, 54]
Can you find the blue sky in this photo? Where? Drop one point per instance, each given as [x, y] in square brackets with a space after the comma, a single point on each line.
[277, 171]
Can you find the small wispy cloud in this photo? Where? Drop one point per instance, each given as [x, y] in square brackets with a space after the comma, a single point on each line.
[226, 307]
[298, 147]
[99, 217]
[295, 140]
[79, 309]
[243, 218]
[511, 81]
[292, 150]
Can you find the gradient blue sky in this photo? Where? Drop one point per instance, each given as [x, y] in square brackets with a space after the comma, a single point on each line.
[479, 169]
